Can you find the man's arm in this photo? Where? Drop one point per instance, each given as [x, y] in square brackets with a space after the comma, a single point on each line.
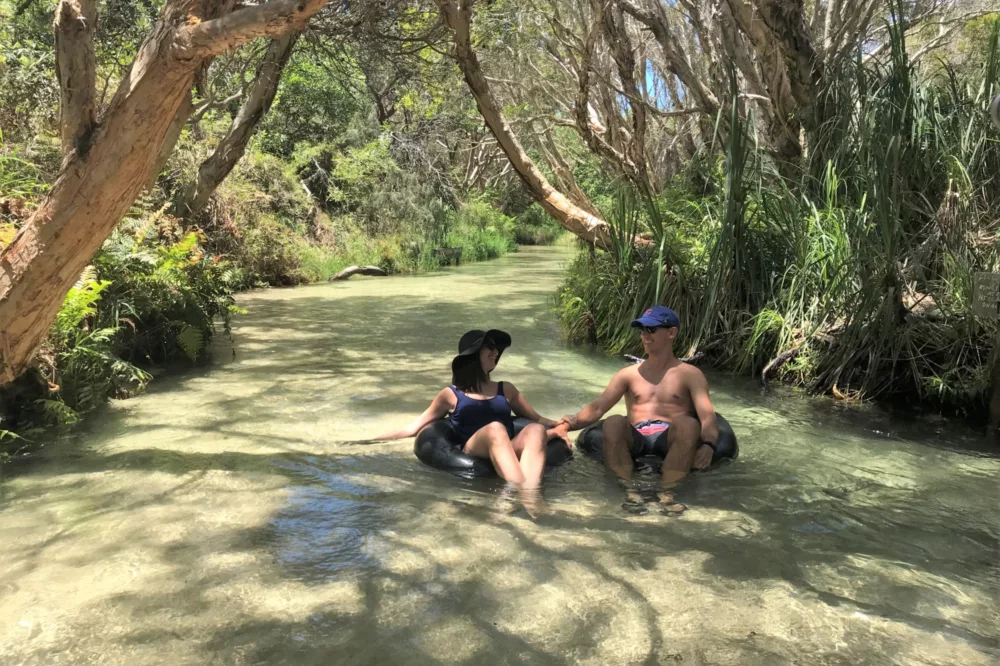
[593, 412]
[698, 386]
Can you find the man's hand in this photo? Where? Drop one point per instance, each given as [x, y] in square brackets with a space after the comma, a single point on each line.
[561, 430]
[703, 457]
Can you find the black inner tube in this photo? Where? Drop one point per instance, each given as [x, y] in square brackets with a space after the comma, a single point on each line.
[437, 445]
[591, 441]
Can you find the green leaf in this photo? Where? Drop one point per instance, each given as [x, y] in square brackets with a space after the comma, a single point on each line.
[191, 340]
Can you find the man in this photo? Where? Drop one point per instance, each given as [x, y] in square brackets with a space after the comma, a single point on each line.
[669, 411]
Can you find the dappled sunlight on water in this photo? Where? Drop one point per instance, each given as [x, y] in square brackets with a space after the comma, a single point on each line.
[231, 516]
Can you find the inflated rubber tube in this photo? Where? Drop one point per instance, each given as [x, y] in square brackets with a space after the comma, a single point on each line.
[437, 445]
[591, 441]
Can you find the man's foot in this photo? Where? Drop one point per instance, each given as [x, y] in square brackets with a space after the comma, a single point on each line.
[634, 502]
[665, 503]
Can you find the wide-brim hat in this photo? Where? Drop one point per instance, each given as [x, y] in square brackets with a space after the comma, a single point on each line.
[473, 341]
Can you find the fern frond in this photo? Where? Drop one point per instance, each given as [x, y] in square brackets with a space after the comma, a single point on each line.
[191, 340]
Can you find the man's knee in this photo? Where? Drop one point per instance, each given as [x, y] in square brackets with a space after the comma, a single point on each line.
[615, 425]
[684, 431]
[617, 432]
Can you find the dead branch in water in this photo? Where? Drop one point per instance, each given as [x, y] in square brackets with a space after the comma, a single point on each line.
[358, 270]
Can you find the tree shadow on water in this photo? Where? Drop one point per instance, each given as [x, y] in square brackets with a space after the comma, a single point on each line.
[259, 552]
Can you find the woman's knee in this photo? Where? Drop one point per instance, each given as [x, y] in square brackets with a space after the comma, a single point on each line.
[495, 429]
[534, 437]
[534, 430]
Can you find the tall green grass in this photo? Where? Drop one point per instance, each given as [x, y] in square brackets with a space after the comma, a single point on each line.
[854, 273]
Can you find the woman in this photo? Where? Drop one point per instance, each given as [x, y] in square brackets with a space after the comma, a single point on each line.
[480, 412]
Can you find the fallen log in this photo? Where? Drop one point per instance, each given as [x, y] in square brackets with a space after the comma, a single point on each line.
[446, 254]
[776, 363]
[357, 270]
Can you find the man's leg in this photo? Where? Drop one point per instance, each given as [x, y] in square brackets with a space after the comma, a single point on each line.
[617, 437]
[683, 439]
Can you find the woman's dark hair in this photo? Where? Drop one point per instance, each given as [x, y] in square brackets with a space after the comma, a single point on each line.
[468, 375]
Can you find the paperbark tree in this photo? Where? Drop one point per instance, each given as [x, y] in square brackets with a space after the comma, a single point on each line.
[457, 15]
[232, 146]
[107, 166]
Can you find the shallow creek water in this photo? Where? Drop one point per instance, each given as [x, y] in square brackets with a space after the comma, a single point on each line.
[229, 516]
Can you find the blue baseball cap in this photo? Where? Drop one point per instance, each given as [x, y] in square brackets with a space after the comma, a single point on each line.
[658, 315]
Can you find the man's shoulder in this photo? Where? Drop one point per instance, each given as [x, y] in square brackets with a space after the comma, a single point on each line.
[627, 373]
[690, 373]
[630, 370]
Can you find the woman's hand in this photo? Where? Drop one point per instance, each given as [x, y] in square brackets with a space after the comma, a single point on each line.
[443, 403]
[395, 434]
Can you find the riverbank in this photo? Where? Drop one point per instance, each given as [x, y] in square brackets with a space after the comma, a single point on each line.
[159, 292]
[849, 273]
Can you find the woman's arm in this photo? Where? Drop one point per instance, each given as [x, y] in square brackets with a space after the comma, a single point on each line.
[522, 408]
[443, 403]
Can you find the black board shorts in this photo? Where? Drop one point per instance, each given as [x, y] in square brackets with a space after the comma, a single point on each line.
[649, 438]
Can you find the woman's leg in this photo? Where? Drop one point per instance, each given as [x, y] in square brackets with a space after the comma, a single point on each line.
[491, 441]
[529, 445]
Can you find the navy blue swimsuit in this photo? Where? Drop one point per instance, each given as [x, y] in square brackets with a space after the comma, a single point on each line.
[471, 414]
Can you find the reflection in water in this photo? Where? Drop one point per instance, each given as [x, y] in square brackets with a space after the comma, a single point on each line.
[236, 515]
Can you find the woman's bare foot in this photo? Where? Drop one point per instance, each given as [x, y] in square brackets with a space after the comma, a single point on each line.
[505, 504]
[534, 503]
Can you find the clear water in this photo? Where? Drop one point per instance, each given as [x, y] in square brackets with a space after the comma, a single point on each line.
[230, 517]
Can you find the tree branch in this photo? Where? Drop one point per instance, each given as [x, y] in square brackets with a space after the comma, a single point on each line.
[256, 105]
[76, 71]
[677, 62]
[457, 16]
[271, 19]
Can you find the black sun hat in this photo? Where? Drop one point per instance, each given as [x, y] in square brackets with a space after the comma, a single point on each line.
[474, 340]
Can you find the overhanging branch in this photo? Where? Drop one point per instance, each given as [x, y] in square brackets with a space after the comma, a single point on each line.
[272, 19]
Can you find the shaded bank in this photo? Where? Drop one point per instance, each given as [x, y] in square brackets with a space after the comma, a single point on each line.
[851, 275]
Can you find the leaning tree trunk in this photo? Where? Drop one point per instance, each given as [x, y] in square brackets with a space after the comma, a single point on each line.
[108, 166]
[458, 16]
[564, 174]
[232, 146]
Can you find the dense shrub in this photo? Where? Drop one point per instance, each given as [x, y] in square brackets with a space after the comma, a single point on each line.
[536, 227]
